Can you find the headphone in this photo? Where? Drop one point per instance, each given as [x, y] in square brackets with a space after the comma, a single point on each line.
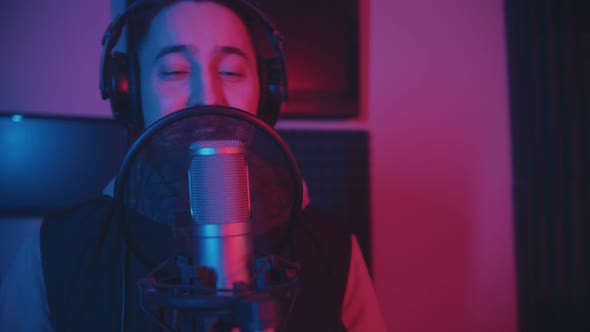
[119, 80]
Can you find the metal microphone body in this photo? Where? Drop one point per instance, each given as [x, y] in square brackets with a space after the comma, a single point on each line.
[219, 195]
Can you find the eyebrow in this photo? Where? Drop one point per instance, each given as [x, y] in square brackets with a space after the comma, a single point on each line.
[228, 50]
[186, 49]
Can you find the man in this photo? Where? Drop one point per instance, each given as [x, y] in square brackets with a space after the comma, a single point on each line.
[78, 273]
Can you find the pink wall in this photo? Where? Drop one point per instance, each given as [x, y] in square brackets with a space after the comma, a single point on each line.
[435, 97]
[50, 58]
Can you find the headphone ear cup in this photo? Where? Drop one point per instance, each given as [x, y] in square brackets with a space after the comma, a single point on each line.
[119, 91]
[273, 96]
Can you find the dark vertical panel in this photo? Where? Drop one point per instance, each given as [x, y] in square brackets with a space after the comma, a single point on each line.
[548, 57]
[335, 166]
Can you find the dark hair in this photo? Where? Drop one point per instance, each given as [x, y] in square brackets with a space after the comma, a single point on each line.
[138, 25]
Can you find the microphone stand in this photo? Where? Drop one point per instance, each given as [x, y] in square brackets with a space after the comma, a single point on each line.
[178, 297]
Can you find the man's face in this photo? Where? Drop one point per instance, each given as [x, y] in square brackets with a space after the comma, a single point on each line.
[197, 53]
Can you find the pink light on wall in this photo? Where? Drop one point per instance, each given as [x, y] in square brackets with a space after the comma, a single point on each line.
[51, 62]
[435, 95]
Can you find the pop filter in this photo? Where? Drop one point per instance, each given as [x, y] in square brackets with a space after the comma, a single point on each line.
[207, 197]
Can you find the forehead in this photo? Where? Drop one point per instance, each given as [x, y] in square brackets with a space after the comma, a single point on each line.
[203, 25]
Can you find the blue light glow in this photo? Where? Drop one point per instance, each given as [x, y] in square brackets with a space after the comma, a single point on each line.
[207, 151]
[17, 118]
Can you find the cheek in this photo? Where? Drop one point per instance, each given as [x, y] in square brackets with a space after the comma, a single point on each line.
[244, 97]
[159, 100]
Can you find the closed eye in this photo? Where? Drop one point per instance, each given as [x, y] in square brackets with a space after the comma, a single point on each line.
[231, 75]
[174, 75]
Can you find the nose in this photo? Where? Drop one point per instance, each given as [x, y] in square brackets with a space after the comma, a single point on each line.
[206, 89]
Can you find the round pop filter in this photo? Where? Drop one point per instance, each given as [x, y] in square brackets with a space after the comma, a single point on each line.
[201, 166]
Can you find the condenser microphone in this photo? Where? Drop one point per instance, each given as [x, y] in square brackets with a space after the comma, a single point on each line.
[219, 194]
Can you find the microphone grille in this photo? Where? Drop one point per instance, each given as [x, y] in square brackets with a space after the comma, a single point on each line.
[218, 182]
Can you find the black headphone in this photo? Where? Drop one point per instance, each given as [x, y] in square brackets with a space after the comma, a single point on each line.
[118, 76]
